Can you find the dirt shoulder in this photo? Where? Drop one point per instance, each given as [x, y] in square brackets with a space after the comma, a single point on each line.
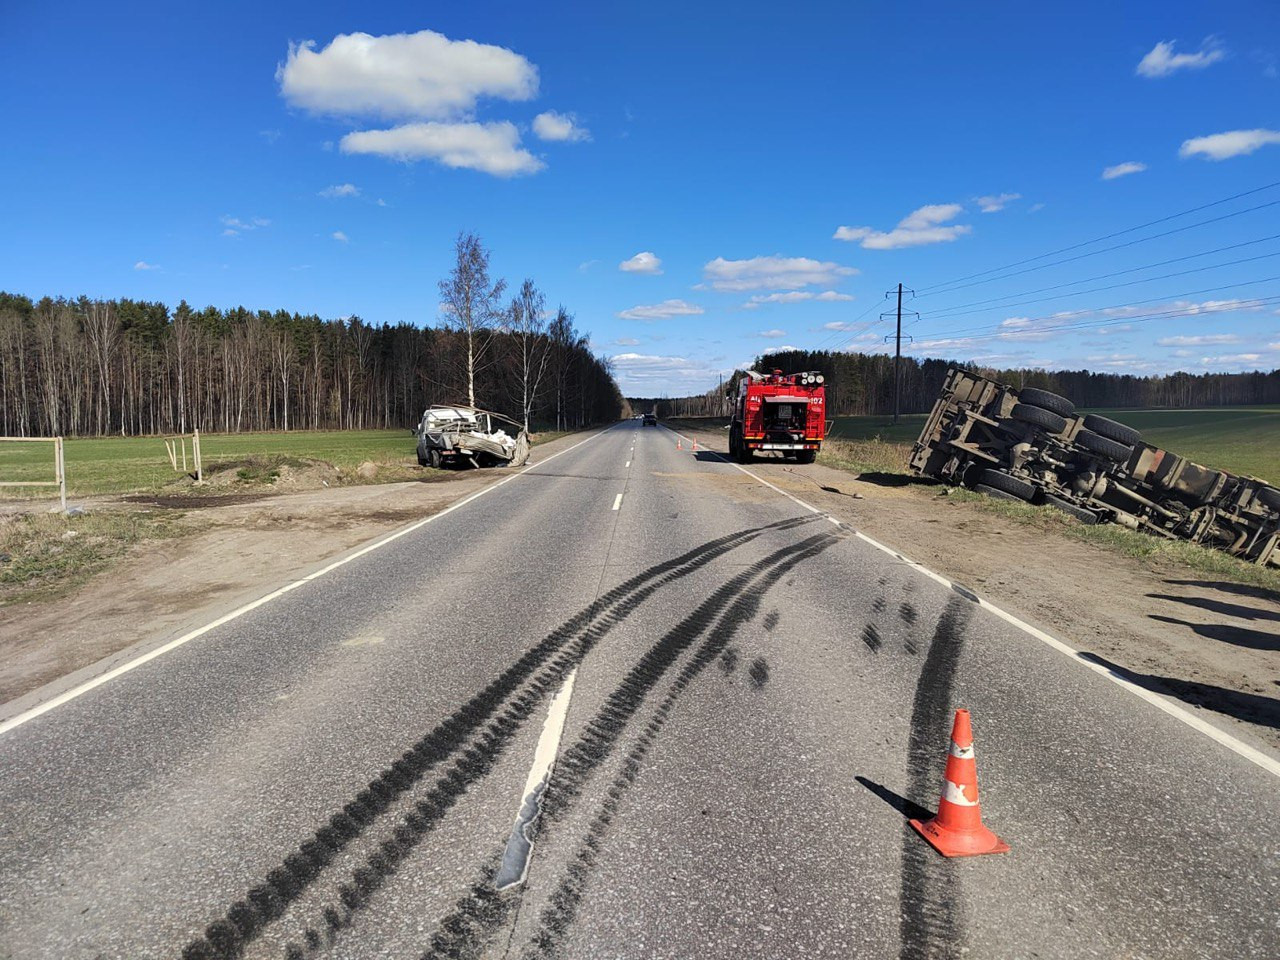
[218, 552]
[1209, 642]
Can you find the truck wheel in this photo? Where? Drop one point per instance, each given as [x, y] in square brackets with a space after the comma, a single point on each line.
[806, 456]
[1112, 430]
[1047, 401]
[995, 494]
[422, 461]
[1008, 483]
[434, 459]
[1269, 497]
[1103, 447]
[1038, 416]
[1066, 506]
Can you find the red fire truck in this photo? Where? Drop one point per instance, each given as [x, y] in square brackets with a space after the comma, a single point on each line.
[779, 413]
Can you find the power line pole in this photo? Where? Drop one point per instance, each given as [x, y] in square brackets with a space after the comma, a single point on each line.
[897, 352]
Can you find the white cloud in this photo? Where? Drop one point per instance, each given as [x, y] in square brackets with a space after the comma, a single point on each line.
[340, 236]
[771, 334]
[1035, 208]
[1162, 61]
[1123, 169]
[782, 273]
[586, 265]
[559, 126]
[649, 373]
[643, 262]
[380, 202]
[143, 265]
[662, 311]
[489, 147]
[342, 190]
[422, 75]
[783, 348]
[1198, 341]
[922, 226]
[996, 203]
[795, 296]
[1232, 360]
[1233, 143]
[627, 342]
[233, 226]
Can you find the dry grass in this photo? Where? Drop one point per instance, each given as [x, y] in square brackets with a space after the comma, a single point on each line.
[866, 456]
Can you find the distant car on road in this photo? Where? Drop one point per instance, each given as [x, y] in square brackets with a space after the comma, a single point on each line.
[649, 420]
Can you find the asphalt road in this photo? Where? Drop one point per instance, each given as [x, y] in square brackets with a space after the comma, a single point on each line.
[759, 700]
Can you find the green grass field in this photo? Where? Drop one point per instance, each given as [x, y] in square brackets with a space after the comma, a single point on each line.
[1242, 440]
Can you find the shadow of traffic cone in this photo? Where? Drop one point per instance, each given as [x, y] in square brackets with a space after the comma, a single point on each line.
[957, 830]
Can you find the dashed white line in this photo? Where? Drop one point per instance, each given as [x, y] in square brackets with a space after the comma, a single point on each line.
[1252, 754]
[617, 501]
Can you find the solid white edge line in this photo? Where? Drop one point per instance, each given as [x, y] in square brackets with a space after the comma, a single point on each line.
[617, 501]
[1252, 754]
[75, 692]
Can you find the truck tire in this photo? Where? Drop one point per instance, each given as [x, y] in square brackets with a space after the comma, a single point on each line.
[737, 447]
[995, 494]
[806, 456]
[1039, 417]
[1066, 506]
[1102, 446]
[1047, 401]
[1269, 497]
[1008, 483]
[1119, 432]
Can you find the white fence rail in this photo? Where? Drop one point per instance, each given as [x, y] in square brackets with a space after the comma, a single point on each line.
[59, 468]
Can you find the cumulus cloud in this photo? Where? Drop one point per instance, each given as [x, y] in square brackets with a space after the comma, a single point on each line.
[232, 226]
[778, 272]
[1233, 143]
[643, 262]
[795, 296]
[341, 190]
[422, 75]
[662, 311]
[340, 236]
[1233, 360]
[996, 203]
[1198, 341]
[647, 374]
[143, 265]
[559, 126]
[489, 147]
[1123, 170]
[922, 226]
[1162, 61]
[771, 334]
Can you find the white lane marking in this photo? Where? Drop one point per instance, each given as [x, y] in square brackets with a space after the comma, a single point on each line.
[82, 689]
[1252, 754]
[617, 501]
[628, 463]
[516, 857]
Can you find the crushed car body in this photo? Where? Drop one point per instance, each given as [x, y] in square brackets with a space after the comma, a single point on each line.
[1031, 445]
[458, 435]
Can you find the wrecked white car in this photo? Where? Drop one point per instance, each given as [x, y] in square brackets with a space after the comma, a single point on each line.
[458, 435]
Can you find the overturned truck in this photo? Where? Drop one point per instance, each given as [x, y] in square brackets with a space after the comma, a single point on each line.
[457, 435]
[1031, 445]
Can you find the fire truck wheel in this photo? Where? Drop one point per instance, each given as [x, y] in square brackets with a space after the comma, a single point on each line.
[1118, 432]
[1066, 506]
[1047, 401]
[995, 494]
[1103, 447]
[806, 456]
[1008, 483]
[1038, 416]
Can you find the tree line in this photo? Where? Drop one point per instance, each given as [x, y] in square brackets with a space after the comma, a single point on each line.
[78, 367]
[863, 384]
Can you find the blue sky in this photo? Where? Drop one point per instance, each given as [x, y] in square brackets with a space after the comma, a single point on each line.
[766, 171]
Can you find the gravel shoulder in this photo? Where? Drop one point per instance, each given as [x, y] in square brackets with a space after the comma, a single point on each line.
[225, 551]
[1210, 643]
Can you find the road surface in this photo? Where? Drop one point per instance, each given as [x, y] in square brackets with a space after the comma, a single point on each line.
[738, 701]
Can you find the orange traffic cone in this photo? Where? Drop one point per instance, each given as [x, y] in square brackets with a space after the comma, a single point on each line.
[695, 443]
[957, 830]
[679, 446]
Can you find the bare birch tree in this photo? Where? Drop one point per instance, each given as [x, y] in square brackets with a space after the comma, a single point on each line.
[529, 328]
[469, 302]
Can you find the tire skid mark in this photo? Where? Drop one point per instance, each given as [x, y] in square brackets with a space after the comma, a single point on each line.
[461, 934]
[929, 895]
[247, 919]
[563, 902]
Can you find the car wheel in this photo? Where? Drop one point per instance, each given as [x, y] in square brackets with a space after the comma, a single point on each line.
[1047, 401]
[1039, 417]
[1103, 447]
[1119, 432]
[1008, 483]
[435, 459]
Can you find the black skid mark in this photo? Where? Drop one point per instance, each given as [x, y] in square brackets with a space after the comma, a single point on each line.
[759, 672]
[907, 613]
[563, 902]
[871, 637]
[929, 895]
[878, 604]
[771, 621]
[729, 660]
[246, 919]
